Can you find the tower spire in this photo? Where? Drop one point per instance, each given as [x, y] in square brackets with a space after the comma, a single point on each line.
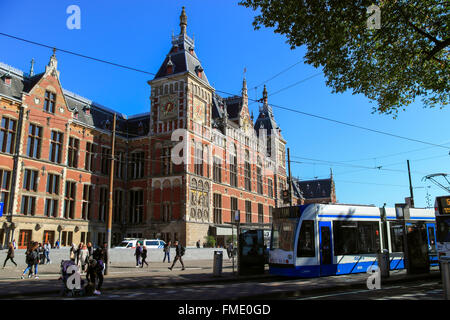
[183, 22]
[32, 68]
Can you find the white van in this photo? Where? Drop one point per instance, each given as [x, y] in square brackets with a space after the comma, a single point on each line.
[149, 243]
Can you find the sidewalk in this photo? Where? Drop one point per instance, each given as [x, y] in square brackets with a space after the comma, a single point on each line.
[123, 277]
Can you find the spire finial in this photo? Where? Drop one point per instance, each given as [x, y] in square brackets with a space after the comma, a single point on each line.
[265, 95]
[244, 83]
[183, 21]
[32, 68]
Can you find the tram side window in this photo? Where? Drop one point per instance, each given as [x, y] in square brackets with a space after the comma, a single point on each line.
[396, 237]
[369, 239]
[356, 237]
[345, 236]
[306, 244]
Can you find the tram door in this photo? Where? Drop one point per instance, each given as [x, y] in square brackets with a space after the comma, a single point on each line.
[432, 253]
[326, 254]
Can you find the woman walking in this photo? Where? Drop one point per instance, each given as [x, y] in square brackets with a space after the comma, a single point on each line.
[73, 252]
[144, 256]
[10, 255]
[83, 258]
[32, 259]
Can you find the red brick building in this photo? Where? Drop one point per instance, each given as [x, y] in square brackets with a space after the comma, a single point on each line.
[181, 170]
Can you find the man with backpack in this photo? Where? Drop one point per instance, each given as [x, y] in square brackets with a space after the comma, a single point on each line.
[179, 252]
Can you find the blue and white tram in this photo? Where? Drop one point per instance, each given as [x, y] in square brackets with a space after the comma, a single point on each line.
[330, 239]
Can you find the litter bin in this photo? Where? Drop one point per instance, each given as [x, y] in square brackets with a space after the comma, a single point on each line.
[445, 271]
[384, 263]
[217, 267]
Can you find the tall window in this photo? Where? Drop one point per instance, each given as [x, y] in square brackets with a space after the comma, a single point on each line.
[260, 213]
[353, 237]
[5, 185]
[72, 152]
[53, 183]
[259, 179]
[69, 200]
[51, 207]
[248, 172]
[233, 167]
[90, 154]
[248, 211]
[166, 163]
[217, 204]
[30, 180]
[7, 135]
[118, 206]
[136, 165]
[56, 146]
[198, 159]
[217, 169]
[103, 204]
[34, 141]
[234, 207]
[28, 205]
[270, 188]
[306, 240]
[166, 212]
[106, 157]
[119, 165]
[50, 101]
[136, 206]
[87, 202]
[396, 237]
[270, 214]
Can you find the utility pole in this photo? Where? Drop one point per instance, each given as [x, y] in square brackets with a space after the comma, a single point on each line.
[410, 185]
[111, 190]
[290, 180]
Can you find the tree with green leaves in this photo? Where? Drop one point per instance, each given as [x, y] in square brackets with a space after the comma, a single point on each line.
[407, 57]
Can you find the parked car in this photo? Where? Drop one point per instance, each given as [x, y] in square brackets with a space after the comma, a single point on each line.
[154, 243]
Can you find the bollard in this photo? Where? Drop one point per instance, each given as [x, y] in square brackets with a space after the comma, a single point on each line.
[445, 272]
[384, 263]
[217, 267]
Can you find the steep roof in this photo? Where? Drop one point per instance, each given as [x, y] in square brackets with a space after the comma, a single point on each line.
[313, 189]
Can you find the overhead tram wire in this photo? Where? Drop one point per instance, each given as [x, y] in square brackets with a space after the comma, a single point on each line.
[273, 105]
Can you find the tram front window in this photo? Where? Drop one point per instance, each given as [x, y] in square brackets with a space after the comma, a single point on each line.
[283, 235]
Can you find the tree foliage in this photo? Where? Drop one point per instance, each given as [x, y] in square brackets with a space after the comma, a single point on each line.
[407, 57]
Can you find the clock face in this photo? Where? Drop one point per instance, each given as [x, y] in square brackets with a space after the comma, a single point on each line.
[168, 107]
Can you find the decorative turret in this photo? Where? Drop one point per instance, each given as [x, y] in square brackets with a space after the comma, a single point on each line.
[183, 22]
[32, 68]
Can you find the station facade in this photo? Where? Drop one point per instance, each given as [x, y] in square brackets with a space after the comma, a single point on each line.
[181, 171]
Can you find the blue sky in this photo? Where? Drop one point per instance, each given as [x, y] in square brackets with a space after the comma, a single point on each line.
[139, 36]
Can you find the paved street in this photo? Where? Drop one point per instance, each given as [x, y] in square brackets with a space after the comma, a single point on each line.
[198, 283]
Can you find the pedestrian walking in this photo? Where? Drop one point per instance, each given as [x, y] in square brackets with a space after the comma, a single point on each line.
[83, 258]
[73, 252]
[179, 252]
[10, 255]
[138, 254]
[230, 250]
[47, 248]
[90, 249]
[41, 254]
[100, 256]
[166, 251]
[32, 260]
[57, 244]
[94, 274]
[144, 256]
[80, 246]
[14, 244]
[198, 244]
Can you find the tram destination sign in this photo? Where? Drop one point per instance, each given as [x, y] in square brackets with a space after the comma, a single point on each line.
[286, 212]
[443, 204]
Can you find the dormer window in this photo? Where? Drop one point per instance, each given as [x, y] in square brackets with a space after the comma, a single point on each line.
[8, 80]
[198, 71]
[75, 115]
[169, 66]
[107, 124]
[50, 101]
[87, 109]
[140, 128]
